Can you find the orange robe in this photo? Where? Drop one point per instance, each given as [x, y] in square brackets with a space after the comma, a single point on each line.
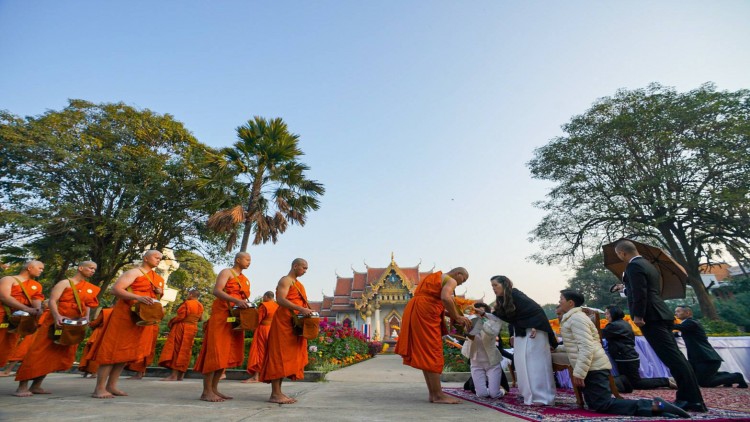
[21, 349]
[141, 365]
[266, 311]
[420, 342]
[9, 341]
[45, 356]
[222, 346]
[97, 326]
[286, 352]
[123, 341]
[178, 349]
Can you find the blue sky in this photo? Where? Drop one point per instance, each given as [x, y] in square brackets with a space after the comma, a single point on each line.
[419, 117]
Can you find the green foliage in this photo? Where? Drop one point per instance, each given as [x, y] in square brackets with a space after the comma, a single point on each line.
[269, 186]
[454, 360]
[336, 345]
[669, 168]
[100, 182]
[714, 327]
[593, 280]
[195, 271]
[736, 310]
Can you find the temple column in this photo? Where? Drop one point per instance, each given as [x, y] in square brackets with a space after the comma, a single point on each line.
[377, 322]
[368, 321]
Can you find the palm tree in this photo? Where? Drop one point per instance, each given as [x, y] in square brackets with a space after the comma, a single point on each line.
[269, 184]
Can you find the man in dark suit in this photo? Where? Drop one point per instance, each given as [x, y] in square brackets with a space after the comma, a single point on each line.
[643, 287]
[701, 355]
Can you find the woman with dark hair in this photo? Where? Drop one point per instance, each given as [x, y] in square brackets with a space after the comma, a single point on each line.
[621, 348]
[532, 342]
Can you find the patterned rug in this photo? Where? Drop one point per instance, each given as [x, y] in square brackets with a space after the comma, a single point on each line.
[566, 409]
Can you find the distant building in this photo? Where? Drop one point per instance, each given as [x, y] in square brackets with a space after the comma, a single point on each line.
[374, 300]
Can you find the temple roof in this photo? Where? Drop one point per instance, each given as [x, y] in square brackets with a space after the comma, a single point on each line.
[352, 294]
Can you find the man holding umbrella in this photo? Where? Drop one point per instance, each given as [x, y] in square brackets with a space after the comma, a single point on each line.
[642, 283]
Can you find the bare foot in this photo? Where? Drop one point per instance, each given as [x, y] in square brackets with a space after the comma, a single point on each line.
[23, 393]
[6, 373]
[117, 392]
[283, 399]
[223, 376]
[211, 397]
[250, 380]
[224, 396]
[136, 377]
[39, 391]
[170, 378]
[102, 395]
[444, 399]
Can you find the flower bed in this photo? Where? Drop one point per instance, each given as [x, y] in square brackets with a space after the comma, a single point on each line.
[337, 346]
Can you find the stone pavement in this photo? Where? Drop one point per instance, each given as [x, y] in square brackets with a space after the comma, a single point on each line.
[380, 389]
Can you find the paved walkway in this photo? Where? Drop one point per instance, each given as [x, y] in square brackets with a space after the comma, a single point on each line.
[380, 389]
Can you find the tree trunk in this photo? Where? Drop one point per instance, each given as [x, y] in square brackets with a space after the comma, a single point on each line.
[248, 226]
[706, 303]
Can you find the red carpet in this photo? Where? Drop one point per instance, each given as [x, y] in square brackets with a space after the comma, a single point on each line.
[725, 404]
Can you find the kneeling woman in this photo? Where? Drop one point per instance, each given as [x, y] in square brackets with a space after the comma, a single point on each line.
[531, 344]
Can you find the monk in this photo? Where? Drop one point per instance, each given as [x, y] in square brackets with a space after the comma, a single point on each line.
[286, 353]
[222, 346]
[97, 326]
[139, 367]
[123, 341]
[420, 343]
[257, 354]
[71, 298]
[183, 328]
[18, 292]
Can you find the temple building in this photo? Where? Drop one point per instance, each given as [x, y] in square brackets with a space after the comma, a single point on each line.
[374, 300]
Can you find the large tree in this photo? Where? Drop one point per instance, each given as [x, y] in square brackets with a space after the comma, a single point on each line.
[101, 182]
[268, 182]
[195, 272]
[668, 168]
[594, 281]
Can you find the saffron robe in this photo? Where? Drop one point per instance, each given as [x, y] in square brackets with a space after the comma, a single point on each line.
[222, 346]
[141, 365]
[286, 352]
[45, 356]
[257, 353]
[97, 326]
[420, 342]
[21, 349]
[122, 340]
[183, 328]
[9, 341]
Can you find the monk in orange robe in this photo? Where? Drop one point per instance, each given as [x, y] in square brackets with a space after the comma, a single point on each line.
[45, 356]
[420, 343]
[17, 354]
[19, 292]
[222, 346]
[139, 367]
[98, 325]
[123, 340]
[257, 354]
[286, 353]
[178, 349]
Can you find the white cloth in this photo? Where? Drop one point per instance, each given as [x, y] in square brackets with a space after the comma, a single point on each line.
[487, 380]
[484, 346]
[533, 361]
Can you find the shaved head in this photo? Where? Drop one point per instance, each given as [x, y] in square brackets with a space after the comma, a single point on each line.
[240, 255]
[32, 263]
[268, 295]
[298, 261]
[86, 263]
[459, 270]
[626, 246]
[150, 252]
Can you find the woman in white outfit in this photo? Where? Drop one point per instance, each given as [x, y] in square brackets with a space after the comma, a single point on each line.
[531, 344]
[486, 360]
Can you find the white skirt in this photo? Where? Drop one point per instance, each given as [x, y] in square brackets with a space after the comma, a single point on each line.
[533, 361]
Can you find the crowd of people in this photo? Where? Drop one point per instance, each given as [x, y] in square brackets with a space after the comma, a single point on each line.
[120, 340]
[534, 343]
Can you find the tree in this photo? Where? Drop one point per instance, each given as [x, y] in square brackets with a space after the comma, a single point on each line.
[594, 281]
[101, 182]
[268, 183]
[195, 271]
[668, 168]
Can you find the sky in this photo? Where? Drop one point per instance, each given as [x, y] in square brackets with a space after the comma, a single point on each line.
[419, 117]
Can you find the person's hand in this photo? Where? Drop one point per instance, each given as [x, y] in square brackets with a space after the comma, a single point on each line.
[617, 288]
[306, 312]
[533, 333]
[511, 340]
[158, 291]
[59, 320]
[578, 382]
[242, 304]
[639, 321]
[146, 300]
[34, 311]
